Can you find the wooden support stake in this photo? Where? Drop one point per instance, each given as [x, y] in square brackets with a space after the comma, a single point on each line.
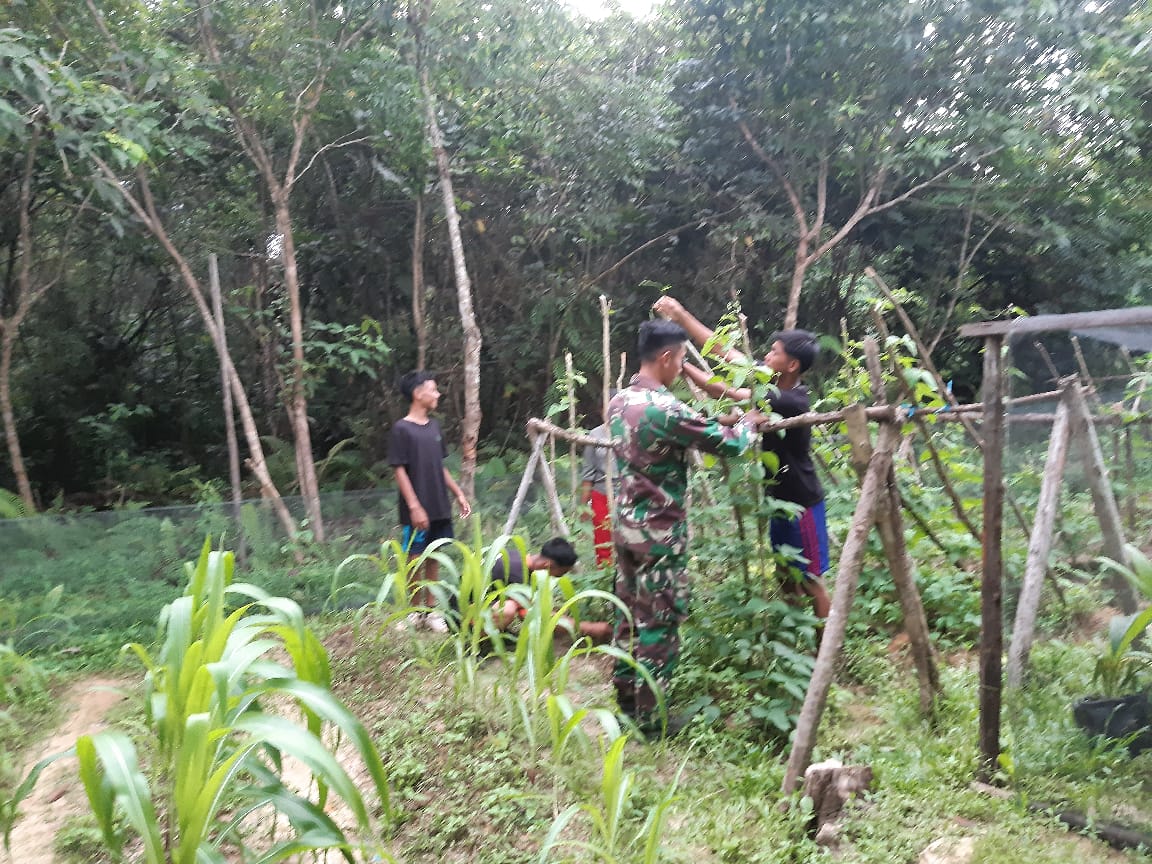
[1093, 394]
[525, 481]
[573, 469]
[555, 508]
[1104, 502]
[1130, 469]
[926, 358]
[1040, 545]
[922, 351]
[229, 415]
[847, 578]
[992, 562]
[891, 529]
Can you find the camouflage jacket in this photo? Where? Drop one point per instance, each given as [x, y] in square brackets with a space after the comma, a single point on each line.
[653, 430]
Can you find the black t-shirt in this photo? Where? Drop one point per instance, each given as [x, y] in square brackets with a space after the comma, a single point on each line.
[510, 572]
[796, 481]
[421, 450]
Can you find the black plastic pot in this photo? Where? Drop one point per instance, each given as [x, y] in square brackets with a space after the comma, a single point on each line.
[1117, 718]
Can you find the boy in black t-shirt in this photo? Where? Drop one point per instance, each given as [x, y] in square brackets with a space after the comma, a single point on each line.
[791, 355]
[416, 453]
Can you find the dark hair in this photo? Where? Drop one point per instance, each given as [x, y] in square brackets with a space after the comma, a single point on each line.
[800, 345]
[655, 336]
[560, 551]
[412, 380]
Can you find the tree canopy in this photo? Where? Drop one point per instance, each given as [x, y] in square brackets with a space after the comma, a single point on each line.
[981, 156]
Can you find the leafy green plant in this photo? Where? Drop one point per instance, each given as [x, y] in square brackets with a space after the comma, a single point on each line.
[1120, 666]
[23, 622]
[217, 752]
[611, 841]
[12, 506]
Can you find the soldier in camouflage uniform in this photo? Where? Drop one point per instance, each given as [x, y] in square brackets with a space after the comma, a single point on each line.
[653, 431]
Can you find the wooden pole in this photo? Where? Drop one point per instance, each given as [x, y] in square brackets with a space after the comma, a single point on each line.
[525, 481]
[229, 414]
[926, 358]
[573, 472]
[991, 590]
[1104, 502]
[891, 529]
[847, 577]
[922, 350]
[556, 510]
[1093, 394]
[1039, 546]
[1130, 469]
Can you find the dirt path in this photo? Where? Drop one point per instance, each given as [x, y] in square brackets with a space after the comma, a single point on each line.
[59, 795]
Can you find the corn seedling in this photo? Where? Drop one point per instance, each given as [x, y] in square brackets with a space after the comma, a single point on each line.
[610, 841]
[564, 724]
[218, 753]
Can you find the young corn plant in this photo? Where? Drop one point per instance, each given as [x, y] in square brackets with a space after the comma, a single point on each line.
[534, 674]
[218, 765]
[611, 841]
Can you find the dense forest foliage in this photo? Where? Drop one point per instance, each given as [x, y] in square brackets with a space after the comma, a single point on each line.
[984, 157]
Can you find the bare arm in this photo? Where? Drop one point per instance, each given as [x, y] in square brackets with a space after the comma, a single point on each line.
[672, 309]
[715, 388]
[461, 498]
[416, 512]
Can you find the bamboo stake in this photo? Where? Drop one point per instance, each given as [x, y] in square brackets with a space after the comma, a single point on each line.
[573, 473]
[921, 349]
[1130, 467]
[847, 578]
[872, 358]
[556, 510]
[1047, 358]
[1039, 546]
[1093, 394]
[525, 480]
[941, 386]
[229, 414]
[535, 424]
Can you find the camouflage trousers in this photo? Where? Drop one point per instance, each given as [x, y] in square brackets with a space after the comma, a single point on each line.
[656, 590]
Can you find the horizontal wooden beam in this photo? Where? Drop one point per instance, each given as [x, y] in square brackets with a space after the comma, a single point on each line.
[1135, 316]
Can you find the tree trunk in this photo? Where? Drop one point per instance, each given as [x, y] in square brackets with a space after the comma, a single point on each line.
[9, 327]
[792, 313]
[147, 214]
[15, 455]
[297, 402]
[470, 427]
[418, 285]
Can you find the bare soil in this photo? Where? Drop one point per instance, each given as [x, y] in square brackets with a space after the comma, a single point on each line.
[59, 795]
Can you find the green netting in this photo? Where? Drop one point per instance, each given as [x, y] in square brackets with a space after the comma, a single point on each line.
[118, 568]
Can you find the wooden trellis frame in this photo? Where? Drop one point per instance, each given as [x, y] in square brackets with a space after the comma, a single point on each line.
[879, 505]
[994, 334]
